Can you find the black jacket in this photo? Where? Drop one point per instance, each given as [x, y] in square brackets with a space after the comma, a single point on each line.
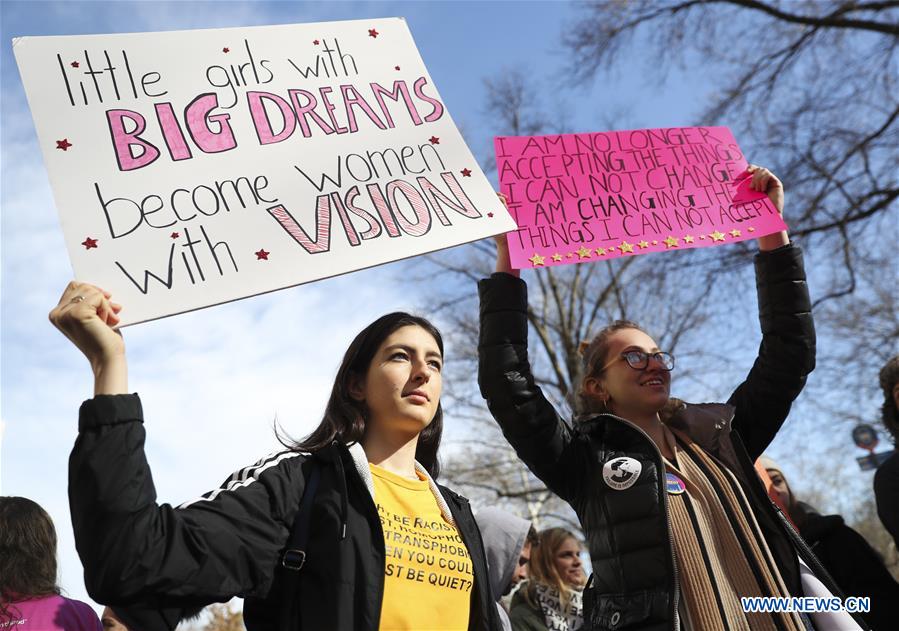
[886, 492]
[634, 584]
[853, 564]
[156, 564]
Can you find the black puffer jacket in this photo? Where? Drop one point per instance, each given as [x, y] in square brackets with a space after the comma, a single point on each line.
[856, 567]
[155, 564]
[634, 585]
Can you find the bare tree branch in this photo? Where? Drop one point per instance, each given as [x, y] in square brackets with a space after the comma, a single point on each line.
[830, 21]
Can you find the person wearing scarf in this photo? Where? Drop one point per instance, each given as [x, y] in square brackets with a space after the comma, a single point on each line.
[552, 600]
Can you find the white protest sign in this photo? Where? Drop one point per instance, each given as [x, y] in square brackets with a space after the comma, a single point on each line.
[191, 168]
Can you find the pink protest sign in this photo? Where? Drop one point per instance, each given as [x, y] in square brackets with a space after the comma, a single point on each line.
[583, 197]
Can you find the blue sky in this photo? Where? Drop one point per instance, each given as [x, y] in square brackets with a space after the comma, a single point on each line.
[213, 381]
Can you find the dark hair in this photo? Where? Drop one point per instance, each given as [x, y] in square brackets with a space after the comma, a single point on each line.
[344, 418]
[889, 377]
[27, 552]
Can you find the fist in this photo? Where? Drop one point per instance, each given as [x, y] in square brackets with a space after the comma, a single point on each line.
[87, 316]
[765, 181]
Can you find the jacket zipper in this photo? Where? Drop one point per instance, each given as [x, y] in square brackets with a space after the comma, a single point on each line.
[464, 506]
[374, 519]
[675, 612]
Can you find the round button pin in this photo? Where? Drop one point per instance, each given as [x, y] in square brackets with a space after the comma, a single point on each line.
[674, 485]
[621, 473]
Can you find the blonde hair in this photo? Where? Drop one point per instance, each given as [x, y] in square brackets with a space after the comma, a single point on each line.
[594, 357]
[543, 564]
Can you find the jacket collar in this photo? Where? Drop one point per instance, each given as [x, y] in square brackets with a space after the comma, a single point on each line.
[360, 462]
[705, 423]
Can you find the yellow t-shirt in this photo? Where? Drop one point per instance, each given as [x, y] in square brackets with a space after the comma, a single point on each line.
[427, 574]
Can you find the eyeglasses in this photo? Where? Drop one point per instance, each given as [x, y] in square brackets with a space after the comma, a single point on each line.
[639, 360]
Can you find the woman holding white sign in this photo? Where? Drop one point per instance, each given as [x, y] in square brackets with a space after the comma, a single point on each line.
[346, 530]
[677, 523]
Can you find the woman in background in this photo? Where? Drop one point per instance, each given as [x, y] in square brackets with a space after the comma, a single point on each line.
[849, 559]
[29, 594]
[552, 599]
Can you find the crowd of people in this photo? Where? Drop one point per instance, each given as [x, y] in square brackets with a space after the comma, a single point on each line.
[349, 528]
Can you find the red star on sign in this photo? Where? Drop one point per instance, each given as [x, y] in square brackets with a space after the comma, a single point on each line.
[490, 215]
[434, 140]
[262, 255]
[75, 64]
[63, 144]
[466, 172]
[89, 243]
[226, 50]
[315, 41]
[396, 67]
[175, 235]
[372, 33]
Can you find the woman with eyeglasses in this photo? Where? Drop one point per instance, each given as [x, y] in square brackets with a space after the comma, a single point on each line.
[678, 526]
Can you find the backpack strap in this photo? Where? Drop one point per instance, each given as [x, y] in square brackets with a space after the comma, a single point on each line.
[294, 556]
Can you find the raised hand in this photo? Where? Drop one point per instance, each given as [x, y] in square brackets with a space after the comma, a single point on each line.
[503, 260]
[87, 316]
[765, 181]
